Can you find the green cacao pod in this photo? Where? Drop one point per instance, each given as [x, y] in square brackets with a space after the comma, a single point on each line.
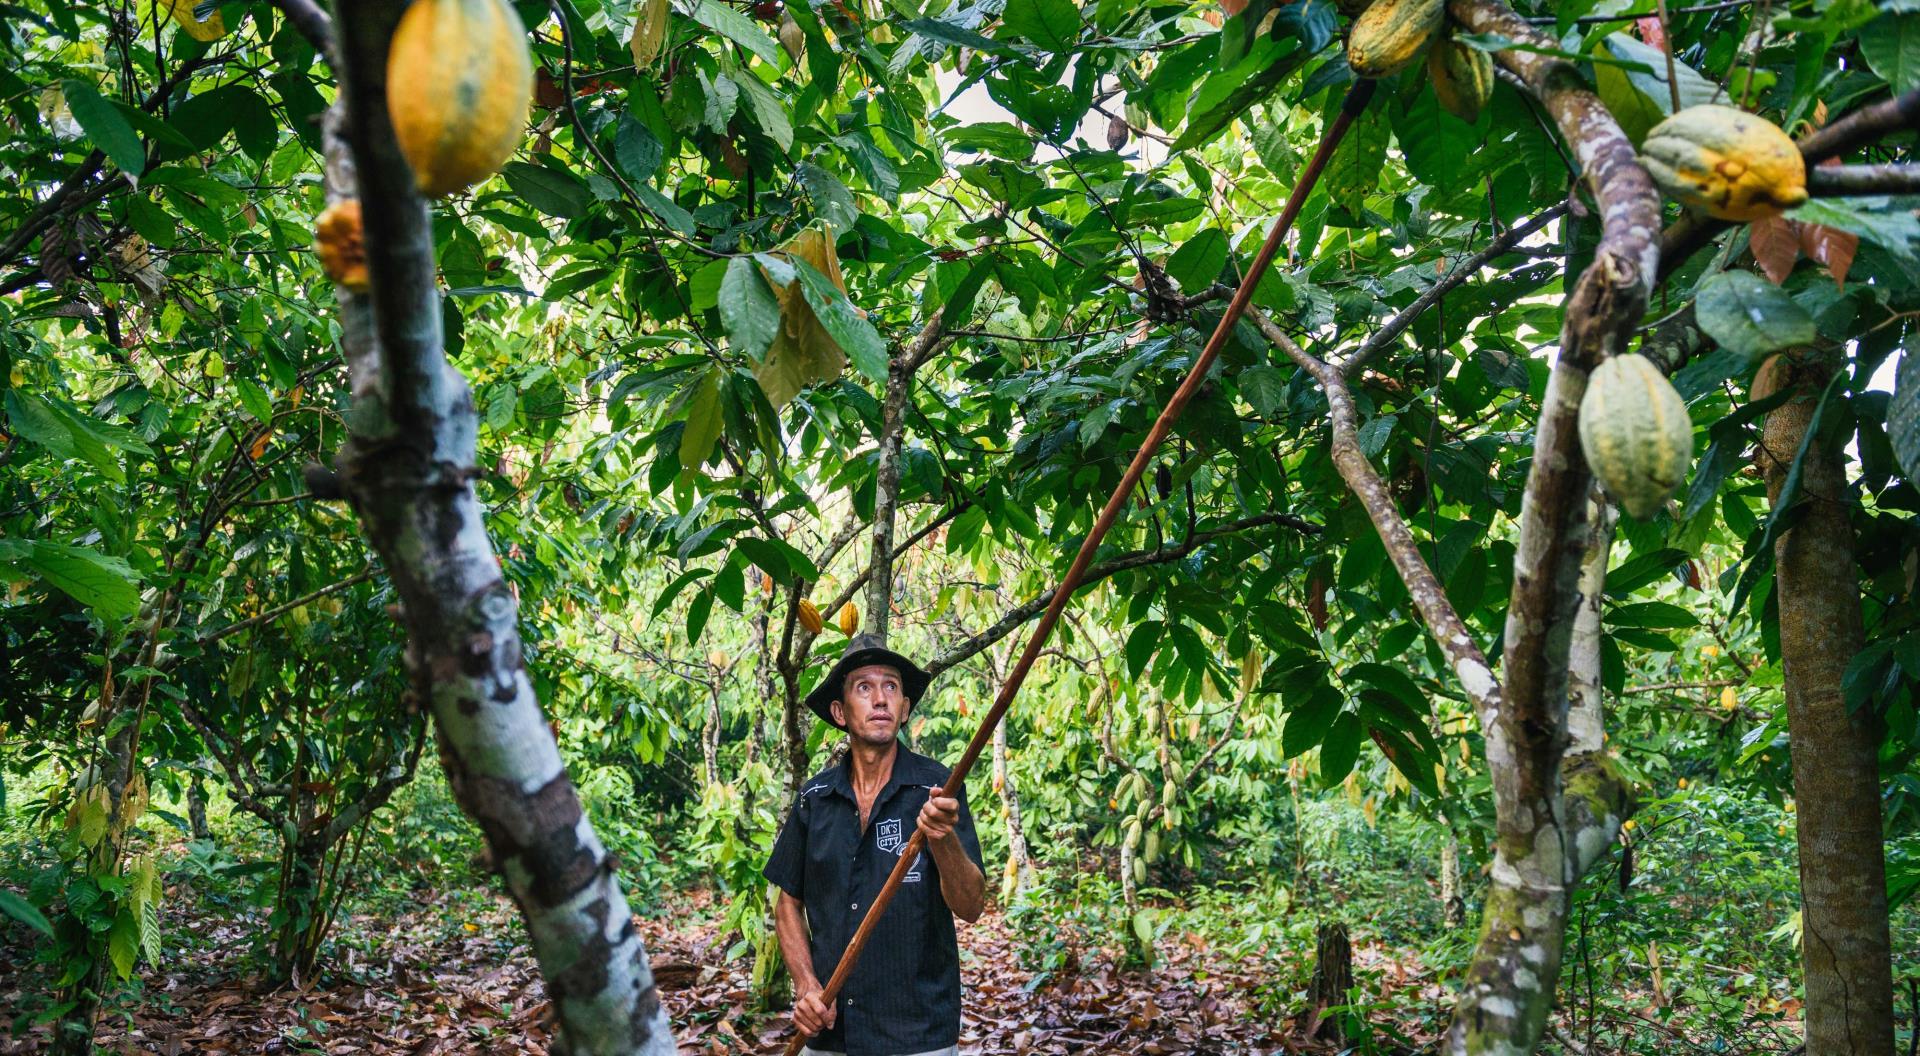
[1139, 871]
[1134, 833]
[1635, 432]
[1390, 35]
[1731, 164]
[1462, 78]
[1153, 847]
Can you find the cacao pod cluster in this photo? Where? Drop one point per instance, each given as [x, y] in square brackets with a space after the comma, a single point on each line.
[1725, 162]
[1636, 434]
[336, 239]
[1389, 36]
[459, 90]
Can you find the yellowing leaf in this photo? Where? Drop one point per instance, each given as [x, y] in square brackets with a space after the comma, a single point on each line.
[802, 352]
[649, 31]
[212, 28]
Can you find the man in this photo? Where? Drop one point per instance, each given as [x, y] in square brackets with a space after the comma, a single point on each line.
[846, 831]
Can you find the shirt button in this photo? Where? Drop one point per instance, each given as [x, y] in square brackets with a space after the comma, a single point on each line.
[856, 905]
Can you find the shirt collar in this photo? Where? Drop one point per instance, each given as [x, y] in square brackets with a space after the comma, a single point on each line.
[908, 769]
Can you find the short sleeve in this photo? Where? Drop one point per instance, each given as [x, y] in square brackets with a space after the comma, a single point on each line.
[786, 866]
[964, 829]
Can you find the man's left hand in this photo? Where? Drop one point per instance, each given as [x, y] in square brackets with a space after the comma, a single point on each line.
[939, 816]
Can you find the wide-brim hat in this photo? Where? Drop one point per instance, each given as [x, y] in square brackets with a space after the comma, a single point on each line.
[863, 650]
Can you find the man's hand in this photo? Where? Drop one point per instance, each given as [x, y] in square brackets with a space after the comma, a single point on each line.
[811, 1014]
[939, 816]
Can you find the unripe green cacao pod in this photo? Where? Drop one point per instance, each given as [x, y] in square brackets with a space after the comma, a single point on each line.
[1169, 792]
[1134, 833]
[1390, 35]
[1153, 847]
[1635, 432]
[1139, 871]
[1462, 78]
[1728, 162]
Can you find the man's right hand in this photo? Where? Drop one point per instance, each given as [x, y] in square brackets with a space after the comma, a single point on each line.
[812, 1014]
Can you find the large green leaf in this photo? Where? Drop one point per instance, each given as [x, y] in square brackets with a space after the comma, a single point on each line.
[738, 28]
[1891, 44]
[106, 125]
[748, 308]
[1052, 24]
[1750, 315]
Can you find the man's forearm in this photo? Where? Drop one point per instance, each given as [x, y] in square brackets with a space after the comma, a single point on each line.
[961, 882]
[790, 924]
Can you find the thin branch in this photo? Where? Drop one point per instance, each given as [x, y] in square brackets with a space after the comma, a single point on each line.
[313, 23]
[1033, 606]
[1842, 181]
[281, 610]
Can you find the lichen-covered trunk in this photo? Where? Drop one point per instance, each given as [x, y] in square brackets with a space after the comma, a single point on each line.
[1845, 951]
[301, 910]
[710, 738]
[408, 471]
[886, 493]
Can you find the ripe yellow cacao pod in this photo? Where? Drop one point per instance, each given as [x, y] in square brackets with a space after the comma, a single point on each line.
[1390, 35]
[849, 618]
[336, 238]
[1462, 78]
[810, 617]
[1731, 164]
[1635, 432]
[459, 88]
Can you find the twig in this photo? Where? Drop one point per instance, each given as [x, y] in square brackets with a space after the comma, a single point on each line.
[280, 610]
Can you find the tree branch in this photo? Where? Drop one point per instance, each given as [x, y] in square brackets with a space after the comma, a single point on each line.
[1033, 606]
[281, 610]
[313, 23]
[1842, 181]
[408, 469]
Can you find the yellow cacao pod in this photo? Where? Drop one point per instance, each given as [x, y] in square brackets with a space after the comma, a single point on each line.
[1390, 35]
[1731, 164]
[1462, 78]
[336, 239]
[810, 617]
[1635, 432]
[459, 88]
[849, 619]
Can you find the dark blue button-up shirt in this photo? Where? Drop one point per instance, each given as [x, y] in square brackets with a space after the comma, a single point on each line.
[904, 994]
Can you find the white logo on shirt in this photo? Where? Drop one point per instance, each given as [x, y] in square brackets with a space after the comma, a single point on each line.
[886, 837]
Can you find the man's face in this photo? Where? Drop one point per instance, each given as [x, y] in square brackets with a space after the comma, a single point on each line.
[872, 704]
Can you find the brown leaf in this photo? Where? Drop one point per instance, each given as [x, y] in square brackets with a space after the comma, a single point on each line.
[1776, 245]
[1832, 247]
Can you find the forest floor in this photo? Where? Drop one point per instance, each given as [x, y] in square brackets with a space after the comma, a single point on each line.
[450, 975]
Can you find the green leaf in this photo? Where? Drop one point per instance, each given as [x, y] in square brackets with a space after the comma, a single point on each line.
[25, 912]
[550, 191]
[1655, 615]
[1903, 415]
[738, 28]
[1355, 169]
[998, 138]
[766, 109]
[1341, 748]
[748, 308]
[666, 209]
[852, 333]
[1265, 388]
[108, 585]
[831, 199]
[1307, 725]
[635, 149]
[1228, 93]
[1750, 315]
[1891, 45]
[704, 421]
[255, 400]
[1636, 57]
[1197, 263]
[123, 943]
[1052, 24]
[106, 126]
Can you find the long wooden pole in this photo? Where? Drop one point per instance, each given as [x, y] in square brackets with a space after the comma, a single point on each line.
[1355, 101]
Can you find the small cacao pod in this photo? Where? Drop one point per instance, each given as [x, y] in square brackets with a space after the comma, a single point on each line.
[1153, 847]
[1390, 35]
[459, 88]
[1635, 432]
[1730, 163]
[810, 617]
[1139, 871]
[1134, 833]
[849, 619]
[336, 239]
[1462, 78]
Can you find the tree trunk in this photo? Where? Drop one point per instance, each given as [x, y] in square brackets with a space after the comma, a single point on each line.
[710, 737]
[1332, 979]
[408, 470]
[886, 492]
[1019, 865]
[197, 808]
[1453, 908]
[296, 945]
[1845, 950]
